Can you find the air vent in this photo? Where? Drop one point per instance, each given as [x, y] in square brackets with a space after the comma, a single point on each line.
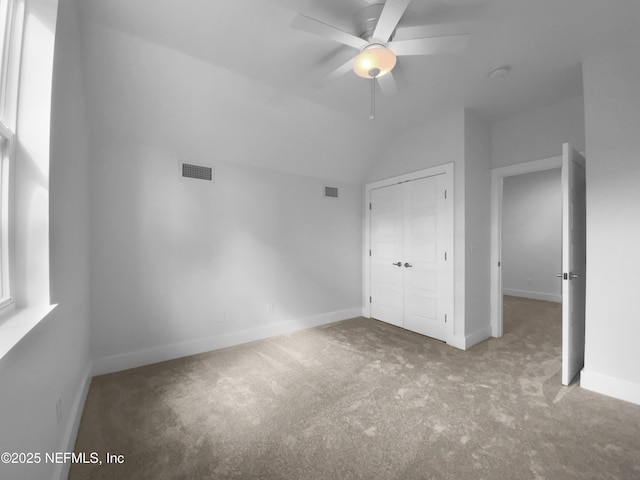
[197, 171]
[331, 192]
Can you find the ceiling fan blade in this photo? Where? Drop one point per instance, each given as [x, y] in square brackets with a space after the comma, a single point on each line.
[388, 85]
[430, 46]
[335, 73]
[389, 18]
[316, 27]
[435, 30]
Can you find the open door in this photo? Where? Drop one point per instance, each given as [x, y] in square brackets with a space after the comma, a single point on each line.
[573, 262]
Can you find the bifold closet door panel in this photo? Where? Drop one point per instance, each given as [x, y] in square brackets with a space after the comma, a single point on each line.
[424, 256]
[386, 239]
[420, 248]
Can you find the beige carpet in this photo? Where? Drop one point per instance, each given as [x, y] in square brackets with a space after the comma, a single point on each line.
[363, 400]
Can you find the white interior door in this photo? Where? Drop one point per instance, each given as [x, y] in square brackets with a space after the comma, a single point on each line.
[424, 257]
[386, 239]
[573, 262]
[410, 233]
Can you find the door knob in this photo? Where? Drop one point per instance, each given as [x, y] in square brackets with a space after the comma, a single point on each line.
[407, 265]
[573, 275]
[399, 264]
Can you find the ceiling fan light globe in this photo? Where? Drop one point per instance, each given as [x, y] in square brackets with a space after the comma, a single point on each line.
[374, 58]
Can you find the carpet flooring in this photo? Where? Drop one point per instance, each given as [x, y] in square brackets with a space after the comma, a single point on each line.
[361, 399]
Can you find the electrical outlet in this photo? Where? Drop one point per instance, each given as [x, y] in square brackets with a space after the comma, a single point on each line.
[59, 410]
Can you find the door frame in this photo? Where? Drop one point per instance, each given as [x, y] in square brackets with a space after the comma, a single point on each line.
[446, 169]
[498, 175]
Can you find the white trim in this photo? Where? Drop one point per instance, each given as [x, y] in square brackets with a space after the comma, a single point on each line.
[477, 337]
[610, 386]
[468, 341]
[497, 181]
[11, 58]
[162, 353]
[446, 169]
[18, 323]
[407, 177]
[457, 342]
[547, 297]
[68, 441]
[7, 219]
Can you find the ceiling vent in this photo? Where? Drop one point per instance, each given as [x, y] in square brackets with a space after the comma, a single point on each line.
[197, 171]
[331, 192]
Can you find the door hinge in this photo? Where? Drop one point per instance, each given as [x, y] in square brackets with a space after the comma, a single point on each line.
[445, 318]
[445, 256]
[445, 194]
[369, 299]
[369, 252]
[498, 263]
[369, 205]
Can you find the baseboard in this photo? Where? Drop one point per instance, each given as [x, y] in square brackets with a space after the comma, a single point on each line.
[457, 342]
[468, 341]
[610, 386]
[68, 441]
[477, 337]
[548, 297]
[163, 353]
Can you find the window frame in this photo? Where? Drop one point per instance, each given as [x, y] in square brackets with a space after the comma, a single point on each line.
[10, 57]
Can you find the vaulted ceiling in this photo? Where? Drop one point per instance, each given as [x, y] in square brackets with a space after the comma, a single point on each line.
[231, 80]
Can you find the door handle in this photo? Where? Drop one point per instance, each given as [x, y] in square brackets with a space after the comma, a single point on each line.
[399, 264]
[571, 275]
[407, 265]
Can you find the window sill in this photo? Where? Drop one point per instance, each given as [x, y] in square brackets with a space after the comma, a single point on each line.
[16, 324]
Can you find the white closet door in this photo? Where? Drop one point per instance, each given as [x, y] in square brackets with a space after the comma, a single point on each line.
[424, 257]
[386, 254]
[410, 274]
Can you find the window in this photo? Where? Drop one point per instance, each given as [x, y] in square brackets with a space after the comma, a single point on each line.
[11, 19]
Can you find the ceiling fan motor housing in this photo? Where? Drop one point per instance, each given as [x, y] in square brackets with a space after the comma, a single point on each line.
[367, 20]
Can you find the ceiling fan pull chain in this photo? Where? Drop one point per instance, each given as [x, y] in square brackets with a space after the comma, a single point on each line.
[373, 99]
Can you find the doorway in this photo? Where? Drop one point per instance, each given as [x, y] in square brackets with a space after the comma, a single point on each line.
[498, 176]
[531, 239]
[573, 272]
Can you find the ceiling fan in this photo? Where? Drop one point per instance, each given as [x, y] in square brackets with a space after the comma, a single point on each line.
[378, 50]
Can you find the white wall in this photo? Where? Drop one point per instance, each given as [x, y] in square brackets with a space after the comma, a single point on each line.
[477, 147]
[612, 116]
[423, 147]
[152, 94]
[51, 362]
[532, 235]
[181, 266]
[538, 133]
